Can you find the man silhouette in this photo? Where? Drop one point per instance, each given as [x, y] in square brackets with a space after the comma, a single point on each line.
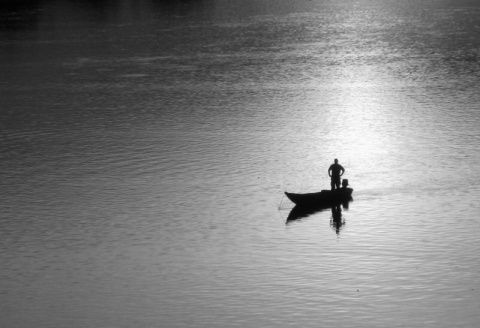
[335, 171]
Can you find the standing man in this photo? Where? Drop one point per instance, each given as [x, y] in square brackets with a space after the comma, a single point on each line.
[335, 171]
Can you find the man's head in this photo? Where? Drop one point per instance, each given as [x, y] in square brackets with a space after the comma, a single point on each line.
[336, 161]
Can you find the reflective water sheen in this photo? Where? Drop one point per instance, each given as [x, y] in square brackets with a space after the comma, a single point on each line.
[146, 146]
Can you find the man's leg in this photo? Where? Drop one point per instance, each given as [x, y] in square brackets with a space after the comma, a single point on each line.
[337, 183]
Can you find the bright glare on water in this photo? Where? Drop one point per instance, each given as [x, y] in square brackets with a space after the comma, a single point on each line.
[146, 147]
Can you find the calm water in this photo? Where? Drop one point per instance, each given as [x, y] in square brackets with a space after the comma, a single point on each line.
[146, 145]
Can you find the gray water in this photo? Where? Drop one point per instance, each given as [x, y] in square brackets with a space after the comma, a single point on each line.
[146, 146]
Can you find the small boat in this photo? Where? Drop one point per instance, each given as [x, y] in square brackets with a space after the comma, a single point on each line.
[324, 198]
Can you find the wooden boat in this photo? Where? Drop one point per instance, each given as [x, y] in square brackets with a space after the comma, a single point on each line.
[324, 198]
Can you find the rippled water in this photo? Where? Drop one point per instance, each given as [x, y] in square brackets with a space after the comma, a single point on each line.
[146, 148]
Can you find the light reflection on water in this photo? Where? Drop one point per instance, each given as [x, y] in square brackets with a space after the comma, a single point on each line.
[142, 171]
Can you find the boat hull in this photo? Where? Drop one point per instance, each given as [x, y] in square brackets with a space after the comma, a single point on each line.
[324, 198]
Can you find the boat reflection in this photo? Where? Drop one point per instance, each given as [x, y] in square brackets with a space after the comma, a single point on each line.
[336, 222]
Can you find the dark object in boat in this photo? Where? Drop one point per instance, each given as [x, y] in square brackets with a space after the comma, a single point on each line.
[324, 198]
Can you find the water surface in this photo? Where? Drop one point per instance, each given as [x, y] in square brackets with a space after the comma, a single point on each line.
[146, 147]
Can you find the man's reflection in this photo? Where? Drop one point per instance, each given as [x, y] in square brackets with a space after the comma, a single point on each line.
[336, 222]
